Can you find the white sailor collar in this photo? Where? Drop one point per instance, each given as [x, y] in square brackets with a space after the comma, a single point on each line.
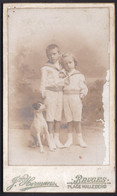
[56, 66]
[74, 71]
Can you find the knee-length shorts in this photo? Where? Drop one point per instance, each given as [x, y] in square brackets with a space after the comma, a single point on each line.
[54, 102]
[72, 107]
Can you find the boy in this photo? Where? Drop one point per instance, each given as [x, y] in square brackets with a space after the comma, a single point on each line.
[52, 92]
[74, 92]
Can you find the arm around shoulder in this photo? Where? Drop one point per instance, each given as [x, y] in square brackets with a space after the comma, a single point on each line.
[83, 87]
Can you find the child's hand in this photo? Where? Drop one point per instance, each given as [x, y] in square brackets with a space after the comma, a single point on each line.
[61, 75]
[82, 96]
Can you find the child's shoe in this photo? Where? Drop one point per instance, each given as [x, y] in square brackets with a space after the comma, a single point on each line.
[57, 141]
[81, 141]
[52, 141]
[69, 141]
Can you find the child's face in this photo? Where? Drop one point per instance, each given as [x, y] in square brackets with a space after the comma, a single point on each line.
[53, 55]
[69, 63]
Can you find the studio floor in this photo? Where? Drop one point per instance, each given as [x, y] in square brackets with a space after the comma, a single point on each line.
[21, 154]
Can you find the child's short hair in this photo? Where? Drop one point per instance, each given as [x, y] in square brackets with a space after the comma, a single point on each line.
[50, 47]
[67, 55]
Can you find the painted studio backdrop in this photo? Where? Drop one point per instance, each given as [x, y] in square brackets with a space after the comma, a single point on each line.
[83, 32]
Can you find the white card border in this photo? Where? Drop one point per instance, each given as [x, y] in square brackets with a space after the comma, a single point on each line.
[63, 173]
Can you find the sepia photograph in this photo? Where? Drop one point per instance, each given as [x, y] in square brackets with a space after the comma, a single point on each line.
[59, 63]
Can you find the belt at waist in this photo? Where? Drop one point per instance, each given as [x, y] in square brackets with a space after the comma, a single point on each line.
[75, 92]
[56, 89]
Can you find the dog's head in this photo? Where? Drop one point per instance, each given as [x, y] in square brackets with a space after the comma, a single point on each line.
[39, 106]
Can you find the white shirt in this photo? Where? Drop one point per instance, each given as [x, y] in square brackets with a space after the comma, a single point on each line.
[76, 82]
[50, 76]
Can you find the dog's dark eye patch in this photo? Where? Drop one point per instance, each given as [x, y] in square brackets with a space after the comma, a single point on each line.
[36, 106]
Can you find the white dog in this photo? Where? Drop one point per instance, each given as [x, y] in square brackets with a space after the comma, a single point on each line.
[39, 127]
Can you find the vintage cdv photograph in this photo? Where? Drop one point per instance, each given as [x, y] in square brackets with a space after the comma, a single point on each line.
[59, 97]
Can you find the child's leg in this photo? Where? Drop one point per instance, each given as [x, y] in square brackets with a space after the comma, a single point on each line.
[49, 142]
[78, 128]
[57, 126]
[48, 138]
[50, 127]
[51, 131]
[69, 140]
[51, 98]
[56, 135]
[58, 117]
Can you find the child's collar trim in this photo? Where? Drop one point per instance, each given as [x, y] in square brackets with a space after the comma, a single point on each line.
[50, 65]
[75, 72]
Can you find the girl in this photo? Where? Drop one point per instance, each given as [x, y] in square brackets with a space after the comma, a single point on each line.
[74, 91]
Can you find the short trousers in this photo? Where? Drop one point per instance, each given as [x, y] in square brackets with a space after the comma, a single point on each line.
[72, 107]
[54, 102]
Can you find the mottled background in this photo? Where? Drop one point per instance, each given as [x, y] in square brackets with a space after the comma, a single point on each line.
[84, 32]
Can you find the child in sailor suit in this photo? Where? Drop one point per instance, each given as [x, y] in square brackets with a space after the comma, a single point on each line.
[52, 90]
[74, 92]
